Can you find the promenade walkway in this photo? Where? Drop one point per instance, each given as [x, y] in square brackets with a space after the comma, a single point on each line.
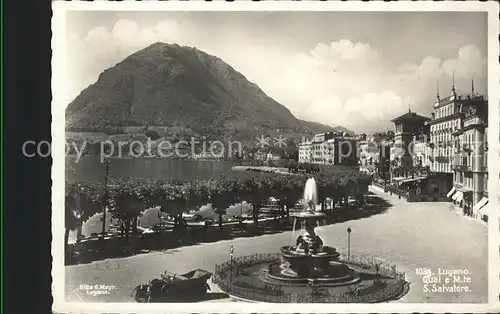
[411, 235]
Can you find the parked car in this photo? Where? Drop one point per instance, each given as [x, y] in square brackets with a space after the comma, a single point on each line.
[174, 287]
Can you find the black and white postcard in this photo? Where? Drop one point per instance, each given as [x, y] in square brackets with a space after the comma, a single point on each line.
[275, 157]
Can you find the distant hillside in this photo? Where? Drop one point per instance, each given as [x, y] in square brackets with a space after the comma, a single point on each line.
[181, 88]
[323, 128]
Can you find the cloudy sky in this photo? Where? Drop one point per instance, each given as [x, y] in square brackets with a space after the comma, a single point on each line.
[355, 69]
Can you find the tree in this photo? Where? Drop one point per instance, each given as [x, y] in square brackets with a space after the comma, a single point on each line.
[292, 165]
[322, 184]
[256, 191]
[196, 194]
[332, 187]
[82, 201]
[127, 201]
[288, 190]
[222, 193]
[173, 197]
[152, 134]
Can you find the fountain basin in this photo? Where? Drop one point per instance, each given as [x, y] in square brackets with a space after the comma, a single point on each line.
[313, 265]
[275, 274]
[298, 268]
[259, 278]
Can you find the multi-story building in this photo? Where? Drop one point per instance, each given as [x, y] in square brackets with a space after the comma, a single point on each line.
[329, 156]
[445, 119]
[343, 150]
[409, 127]
[409, 160]
[470, 146]
[329, 149]
[320, 148]
[363, 152]
[422, 154]
[305, 152]
[384, 165]
[370, 152]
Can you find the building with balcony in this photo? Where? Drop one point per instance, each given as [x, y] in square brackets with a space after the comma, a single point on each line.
[384, 164]
[370, 153]
[470, 147]
[305, 152]
[422, 154]
[320, 149]
[410, 127]
[343, 150]
[409, 159]
[329, 149]
[446, 120]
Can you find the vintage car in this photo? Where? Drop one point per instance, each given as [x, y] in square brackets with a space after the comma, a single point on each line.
[174, 287]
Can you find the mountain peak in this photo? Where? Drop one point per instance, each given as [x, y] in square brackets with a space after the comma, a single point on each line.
[170, 85]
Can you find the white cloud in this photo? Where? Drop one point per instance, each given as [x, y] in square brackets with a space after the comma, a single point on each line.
[338, 83]
[420, 82]
[368, 112]
[430, 67]
[469, 63]
[341, 51]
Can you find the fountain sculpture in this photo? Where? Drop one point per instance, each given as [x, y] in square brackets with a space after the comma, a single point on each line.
[308, 270]
[309, 259]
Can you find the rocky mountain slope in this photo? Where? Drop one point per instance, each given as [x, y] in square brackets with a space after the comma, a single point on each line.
[170, 85]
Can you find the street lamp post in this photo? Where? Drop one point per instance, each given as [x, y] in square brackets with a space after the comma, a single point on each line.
[105, 199]
[349, 243]
[78, 212]
[161, 220]
[231, 251]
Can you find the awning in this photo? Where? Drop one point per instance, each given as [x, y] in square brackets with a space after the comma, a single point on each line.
[465, 190]
[480, 204]
[404, 180]
[455, 197]
[460, 196]
[413, 179]
[485, 210]
[452, 191]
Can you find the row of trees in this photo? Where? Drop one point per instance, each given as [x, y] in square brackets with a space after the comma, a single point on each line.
[128, 197]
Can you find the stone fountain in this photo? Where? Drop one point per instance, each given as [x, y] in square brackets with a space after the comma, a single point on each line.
[310, 260]
[308, 271]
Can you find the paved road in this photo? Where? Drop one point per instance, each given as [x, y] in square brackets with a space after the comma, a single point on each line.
[411, 235]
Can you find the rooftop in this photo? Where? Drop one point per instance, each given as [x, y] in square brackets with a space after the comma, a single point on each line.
[459, 98]
[410, 116]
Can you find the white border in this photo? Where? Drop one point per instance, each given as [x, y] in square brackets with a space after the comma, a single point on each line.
[58, 155]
